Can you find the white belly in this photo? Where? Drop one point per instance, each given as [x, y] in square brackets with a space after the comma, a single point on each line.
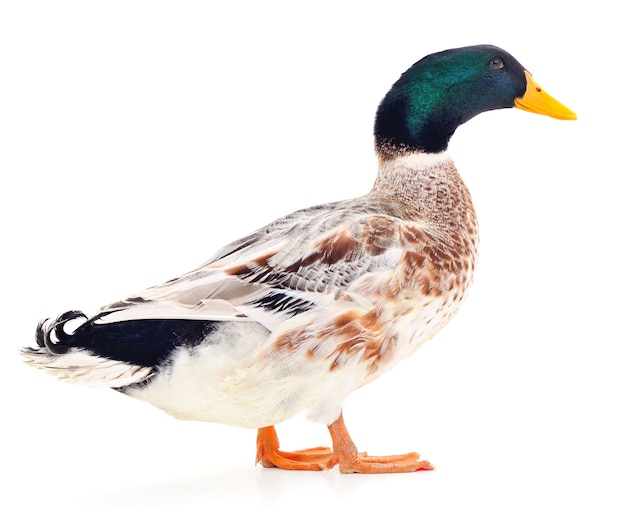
[237, 381]
[240, 377]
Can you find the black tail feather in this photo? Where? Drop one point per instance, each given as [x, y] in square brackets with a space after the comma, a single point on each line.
[143, 342]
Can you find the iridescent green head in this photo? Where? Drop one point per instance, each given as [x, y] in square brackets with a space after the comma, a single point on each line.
[443, 90]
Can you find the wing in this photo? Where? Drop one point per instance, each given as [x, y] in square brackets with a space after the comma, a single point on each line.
[301, 262]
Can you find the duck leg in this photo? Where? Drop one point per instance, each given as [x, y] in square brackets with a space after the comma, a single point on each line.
[269, 455]
[345, 454]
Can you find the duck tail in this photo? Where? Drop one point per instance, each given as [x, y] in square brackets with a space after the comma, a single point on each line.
[57, 353]
[52, 337]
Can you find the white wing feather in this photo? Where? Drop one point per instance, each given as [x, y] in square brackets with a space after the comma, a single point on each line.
[273, 274]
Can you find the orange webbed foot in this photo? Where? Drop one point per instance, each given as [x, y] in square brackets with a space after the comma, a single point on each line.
[351, 461]
[344, 454]
[364, 464]
[269, 455]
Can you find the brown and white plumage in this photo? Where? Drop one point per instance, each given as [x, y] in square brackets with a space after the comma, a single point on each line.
[316, 304]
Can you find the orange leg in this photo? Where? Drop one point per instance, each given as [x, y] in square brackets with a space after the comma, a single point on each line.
[268, 454]
[345, 455]
[350, 460]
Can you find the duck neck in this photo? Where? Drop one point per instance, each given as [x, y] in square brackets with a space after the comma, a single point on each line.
[429, 185]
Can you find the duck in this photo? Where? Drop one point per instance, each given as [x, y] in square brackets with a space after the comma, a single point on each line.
[298, 314]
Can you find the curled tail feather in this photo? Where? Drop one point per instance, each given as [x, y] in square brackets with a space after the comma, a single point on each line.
[56, 355]
[46, 331]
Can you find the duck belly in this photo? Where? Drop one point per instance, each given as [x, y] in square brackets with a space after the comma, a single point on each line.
[242, 375]
[235, 378]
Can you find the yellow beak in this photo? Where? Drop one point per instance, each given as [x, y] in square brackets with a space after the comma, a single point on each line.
[537, 100]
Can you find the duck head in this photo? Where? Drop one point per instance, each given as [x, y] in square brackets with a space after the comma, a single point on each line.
[443, 90]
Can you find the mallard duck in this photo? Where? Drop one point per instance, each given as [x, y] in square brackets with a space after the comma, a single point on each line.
[303, 311]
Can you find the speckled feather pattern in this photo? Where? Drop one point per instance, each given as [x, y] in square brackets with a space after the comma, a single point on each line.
[312, 306]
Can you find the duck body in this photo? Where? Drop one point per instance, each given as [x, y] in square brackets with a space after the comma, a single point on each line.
[396, 279]
[318, 303]
[327, 299]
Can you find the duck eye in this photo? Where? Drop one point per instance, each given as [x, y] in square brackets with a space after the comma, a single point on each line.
[496, 63]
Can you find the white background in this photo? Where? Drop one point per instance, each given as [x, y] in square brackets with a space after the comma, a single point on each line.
[137, 137]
